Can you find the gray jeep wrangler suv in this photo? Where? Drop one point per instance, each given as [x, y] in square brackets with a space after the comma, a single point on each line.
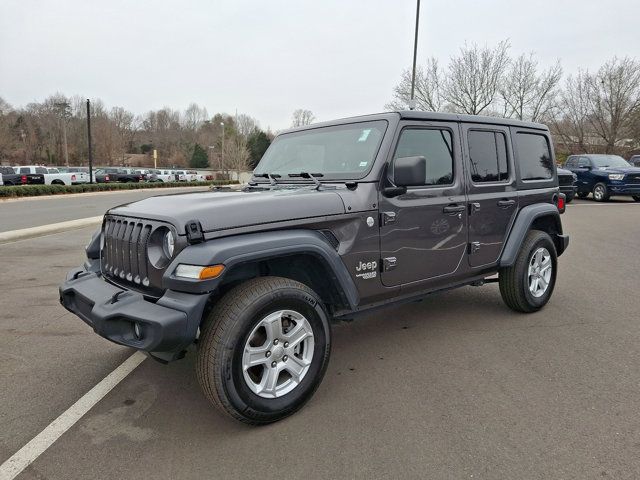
[339, 218]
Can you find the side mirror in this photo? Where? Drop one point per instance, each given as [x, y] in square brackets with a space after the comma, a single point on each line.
[406, 172]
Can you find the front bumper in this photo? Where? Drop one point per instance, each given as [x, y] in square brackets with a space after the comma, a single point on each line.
[166, 327]
[624, 189]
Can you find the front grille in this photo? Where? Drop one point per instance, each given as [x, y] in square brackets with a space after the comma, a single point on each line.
[633, 178]
[124, 254]
[565, 180]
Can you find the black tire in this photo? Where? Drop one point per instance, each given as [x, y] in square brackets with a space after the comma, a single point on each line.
[569, 198]
[226, 332]
[583, 194]
[636, 198]
[57, 182]
[600, 192]
[514, 280]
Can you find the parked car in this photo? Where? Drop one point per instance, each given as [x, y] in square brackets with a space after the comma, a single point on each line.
[144, 174]
[162, 176]
[635, 160]
[52, 176]
[101, 176]
[567, 181]
[181, 176]
[389, 208]
[122, 175]
[10, 177]
[604, 176]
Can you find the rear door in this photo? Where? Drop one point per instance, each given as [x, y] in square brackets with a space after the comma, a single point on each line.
[491, 190]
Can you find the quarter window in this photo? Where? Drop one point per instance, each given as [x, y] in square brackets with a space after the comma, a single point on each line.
[534, 156]
[488, 156]
[436, 146]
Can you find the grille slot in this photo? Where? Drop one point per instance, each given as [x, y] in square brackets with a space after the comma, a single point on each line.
[565, 180]
[633, 178]
[124, 254]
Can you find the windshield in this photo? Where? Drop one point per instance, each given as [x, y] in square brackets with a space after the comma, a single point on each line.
[609, 161]
[336, 152]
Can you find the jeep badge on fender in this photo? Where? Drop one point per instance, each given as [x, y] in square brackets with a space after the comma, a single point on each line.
[258, 275]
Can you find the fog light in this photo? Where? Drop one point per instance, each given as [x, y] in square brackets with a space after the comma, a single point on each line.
[137, 330]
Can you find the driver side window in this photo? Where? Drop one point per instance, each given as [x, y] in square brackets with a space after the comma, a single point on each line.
[436, 145]
[583, 162]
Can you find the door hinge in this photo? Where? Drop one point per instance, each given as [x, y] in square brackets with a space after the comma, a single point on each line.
[389, 263]
[388, 217]
[473, 207]
[474, 247]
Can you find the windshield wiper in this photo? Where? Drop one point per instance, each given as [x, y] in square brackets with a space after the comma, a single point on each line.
[271, 176]
[312, 176]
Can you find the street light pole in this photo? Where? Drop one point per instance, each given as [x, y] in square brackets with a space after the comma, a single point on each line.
[89, 141]
[412, 101]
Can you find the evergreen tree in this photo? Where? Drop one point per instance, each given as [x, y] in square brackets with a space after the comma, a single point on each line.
[257, 143]
[199, 158]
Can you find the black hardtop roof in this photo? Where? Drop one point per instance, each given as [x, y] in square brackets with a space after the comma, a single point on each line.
[421, 115]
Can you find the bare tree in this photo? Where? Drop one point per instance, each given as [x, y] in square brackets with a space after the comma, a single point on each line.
[429, 93]
[475, 77]
[614, 97]
[302, 117]
[246, 124]
[571, 122]
[236, 154]
[6, 137]
[125, 124]
[527, 94]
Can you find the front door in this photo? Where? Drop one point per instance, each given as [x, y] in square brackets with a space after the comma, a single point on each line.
[492, 192]
[423, 233]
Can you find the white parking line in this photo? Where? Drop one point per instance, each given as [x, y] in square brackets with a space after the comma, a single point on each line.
[13, 235]
[41, 442]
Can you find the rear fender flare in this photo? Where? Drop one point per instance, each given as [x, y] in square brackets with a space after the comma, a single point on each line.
[524, 222]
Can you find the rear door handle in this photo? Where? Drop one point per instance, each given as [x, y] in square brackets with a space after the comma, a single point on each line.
[453, 209]
[506, 203]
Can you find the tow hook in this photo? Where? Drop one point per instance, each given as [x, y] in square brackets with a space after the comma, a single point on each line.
[116, 295]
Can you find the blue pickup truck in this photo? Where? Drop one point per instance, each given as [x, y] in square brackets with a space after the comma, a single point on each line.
[604, 176]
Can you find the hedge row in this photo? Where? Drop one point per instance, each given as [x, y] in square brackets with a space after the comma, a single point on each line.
[38, 190]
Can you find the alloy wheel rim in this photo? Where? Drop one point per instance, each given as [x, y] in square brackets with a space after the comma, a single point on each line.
[598, 193]
[539, 273]
[278, 353]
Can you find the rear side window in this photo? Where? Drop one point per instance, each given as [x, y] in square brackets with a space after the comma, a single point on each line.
[433, 144]
[25, 170]
[488, 156]
[534, 156]
[41, 170]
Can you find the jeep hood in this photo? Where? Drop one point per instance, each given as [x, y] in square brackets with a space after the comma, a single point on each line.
[219, 210]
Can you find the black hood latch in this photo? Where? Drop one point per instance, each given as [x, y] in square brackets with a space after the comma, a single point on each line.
[194, 232]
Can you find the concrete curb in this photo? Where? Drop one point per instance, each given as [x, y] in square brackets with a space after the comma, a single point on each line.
[24, 233]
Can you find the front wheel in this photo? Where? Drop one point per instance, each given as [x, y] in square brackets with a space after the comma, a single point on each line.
[527, 285]
[583, 194]
[264, 349]
[600, 192]
[636, 198]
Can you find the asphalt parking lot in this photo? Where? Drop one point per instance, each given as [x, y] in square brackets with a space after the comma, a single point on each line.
[456, 386]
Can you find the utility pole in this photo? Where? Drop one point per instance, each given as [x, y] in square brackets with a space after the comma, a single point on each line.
[89, 141]
[222, 151]
[412, 101]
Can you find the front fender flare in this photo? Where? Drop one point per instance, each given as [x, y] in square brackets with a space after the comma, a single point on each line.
[239, 249]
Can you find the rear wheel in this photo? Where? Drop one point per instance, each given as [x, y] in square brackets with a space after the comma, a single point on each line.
[583, 194]
[527, 285]
[636, 198]
[569, 197]
[263, 350]
[600, 192]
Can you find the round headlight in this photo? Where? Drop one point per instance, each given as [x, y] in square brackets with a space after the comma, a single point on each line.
[168, 244]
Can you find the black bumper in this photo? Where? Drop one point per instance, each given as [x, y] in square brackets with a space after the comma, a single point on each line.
[568, 190]
[166, 327]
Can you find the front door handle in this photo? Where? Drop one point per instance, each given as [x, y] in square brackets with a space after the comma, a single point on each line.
[453, 209]
[506, 203]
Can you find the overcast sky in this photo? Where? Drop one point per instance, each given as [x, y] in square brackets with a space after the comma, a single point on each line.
[267, 58]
